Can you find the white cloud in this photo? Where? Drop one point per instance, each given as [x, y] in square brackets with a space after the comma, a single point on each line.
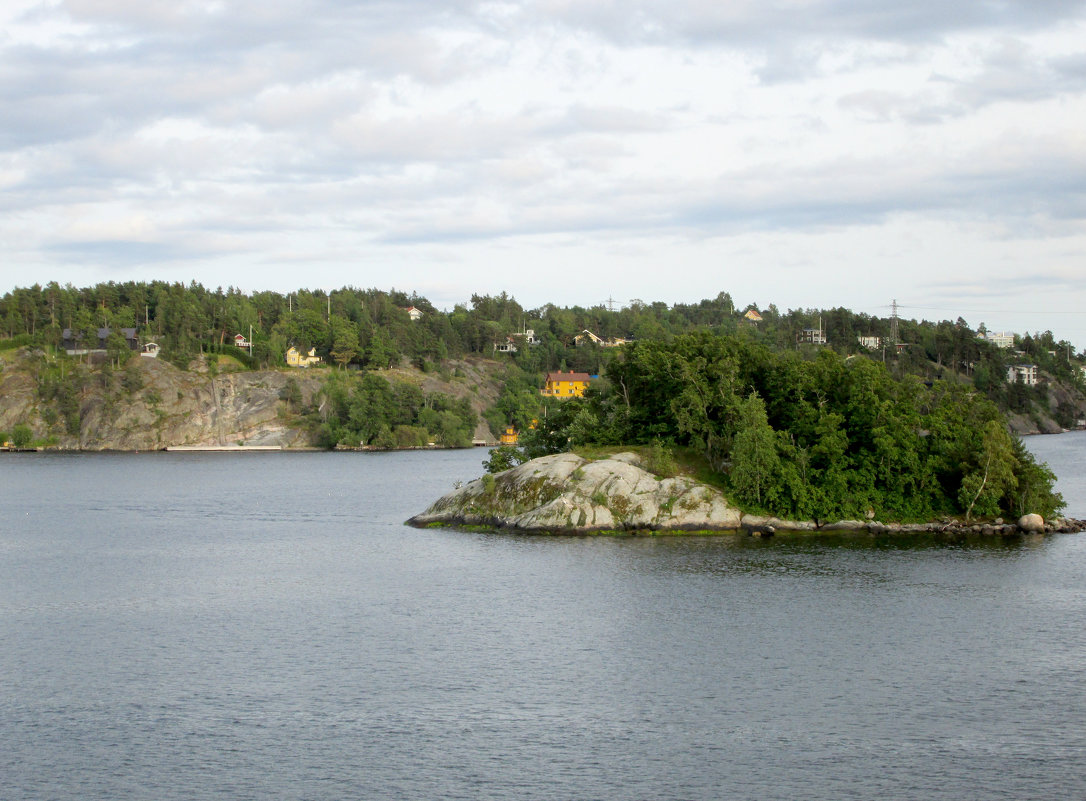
[827, 152]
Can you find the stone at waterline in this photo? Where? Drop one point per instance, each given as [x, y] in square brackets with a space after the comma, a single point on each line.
[1032, 523]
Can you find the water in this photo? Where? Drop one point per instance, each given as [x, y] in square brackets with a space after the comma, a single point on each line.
[250, 626]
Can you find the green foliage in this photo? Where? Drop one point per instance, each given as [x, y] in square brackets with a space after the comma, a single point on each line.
[755, 471]
[367, 409]
[17, 341]
[22, 435]
[502, 458]
[819, 438]
[660, 460]
[291, 394]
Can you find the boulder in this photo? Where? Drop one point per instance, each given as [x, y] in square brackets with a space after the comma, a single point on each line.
[566, 493]
[1031, 523]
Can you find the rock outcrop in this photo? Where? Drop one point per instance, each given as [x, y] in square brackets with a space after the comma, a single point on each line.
[566, 493]
[151, 404]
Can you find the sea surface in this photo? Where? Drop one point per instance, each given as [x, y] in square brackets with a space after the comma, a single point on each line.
[263, 626]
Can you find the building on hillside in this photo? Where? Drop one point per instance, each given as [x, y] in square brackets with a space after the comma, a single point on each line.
[241, 342]
[150, 350]
[413, 313]
[566, 385]
[871, 343]
[296, 359]
[75, 343]
[752, 316]
[509, 345]
[811, 336]
[587, 336]
[509, 436]
[1022, 373]
[1001, 340]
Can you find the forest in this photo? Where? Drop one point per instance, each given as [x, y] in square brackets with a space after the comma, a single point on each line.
[871, 422]
[812, 439]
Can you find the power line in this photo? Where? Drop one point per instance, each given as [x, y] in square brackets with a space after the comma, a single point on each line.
[982, 311]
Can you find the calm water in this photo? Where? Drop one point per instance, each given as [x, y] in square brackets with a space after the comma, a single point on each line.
[253, 626]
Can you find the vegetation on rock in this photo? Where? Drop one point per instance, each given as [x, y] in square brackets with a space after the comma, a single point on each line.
[823, 439]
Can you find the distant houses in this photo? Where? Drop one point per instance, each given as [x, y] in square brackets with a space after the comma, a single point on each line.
[587, 336]
[509, 345]
[78, 343]
[566, 385]
[1001, 340]
[752, 316]
[811, 336]
[1022, 373]
[871, 343]
[295, 358]
[413, 313]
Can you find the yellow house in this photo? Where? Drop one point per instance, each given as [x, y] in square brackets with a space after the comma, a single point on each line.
[296, 359]
[566, 385]
[509, 437]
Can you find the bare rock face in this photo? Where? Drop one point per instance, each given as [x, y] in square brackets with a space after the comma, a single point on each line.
[566, 493]
[151, 404]
[1033, 524]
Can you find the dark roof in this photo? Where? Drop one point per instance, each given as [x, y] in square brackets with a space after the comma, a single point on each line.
[570, 376]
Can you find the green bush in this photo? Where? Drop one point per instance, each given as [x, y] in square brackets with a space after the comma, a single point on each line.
[503, 458]
[22, 435]
[660, 460]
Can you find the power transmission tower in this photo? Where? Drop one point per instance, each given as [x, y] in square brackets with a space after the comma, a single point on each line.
[893, 324]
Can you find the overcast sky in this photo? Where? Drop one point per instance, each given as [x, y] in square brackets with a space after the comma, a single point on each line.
[807, 153]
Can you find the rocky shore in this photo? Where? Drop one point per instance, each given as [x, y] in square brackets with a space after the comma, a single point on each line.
[567, 494]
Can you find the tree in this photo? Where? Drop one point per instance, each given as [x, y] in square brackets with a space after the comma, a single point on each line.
[755, 464]
[983, 487]
[117, 349]
[344, 340]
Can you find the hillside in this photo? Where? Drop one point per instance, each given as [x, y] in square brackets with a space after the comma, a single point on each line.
[152, 404]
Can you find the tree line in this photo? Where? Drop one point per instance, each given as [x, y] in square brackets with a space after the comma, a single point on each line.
[826, 438]
[369, 329]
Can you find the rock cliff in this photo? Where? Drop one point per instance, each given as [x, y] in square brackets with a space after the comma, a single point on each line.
[565, 492]
[151, 404]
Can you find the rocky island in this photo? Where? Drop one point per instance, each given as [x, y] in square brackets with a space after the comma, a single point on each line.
[568, 494]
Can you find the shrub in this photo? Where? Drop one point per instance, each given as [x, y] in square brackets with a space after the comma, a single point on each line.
[503, 458]
[660, 460]
[22, 435]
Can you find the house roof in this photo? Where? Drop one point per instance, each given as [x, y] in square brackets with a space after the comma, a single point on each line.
[570, 376]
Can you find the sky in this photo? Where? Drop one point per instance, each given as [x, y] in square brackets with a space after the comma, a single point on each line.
[804, 153]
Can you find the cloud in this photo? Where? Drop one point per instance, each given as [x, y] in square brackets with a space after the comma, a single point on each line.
[420, 134]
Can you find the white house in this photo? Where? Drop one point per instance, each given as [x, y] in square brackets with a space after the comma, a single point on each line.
[1025, 373]
[1001, 340]
[871, 343]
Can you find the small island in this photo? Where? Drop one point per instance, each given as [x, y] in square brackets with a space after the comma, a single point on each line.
[570, 494]
[768, 442]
